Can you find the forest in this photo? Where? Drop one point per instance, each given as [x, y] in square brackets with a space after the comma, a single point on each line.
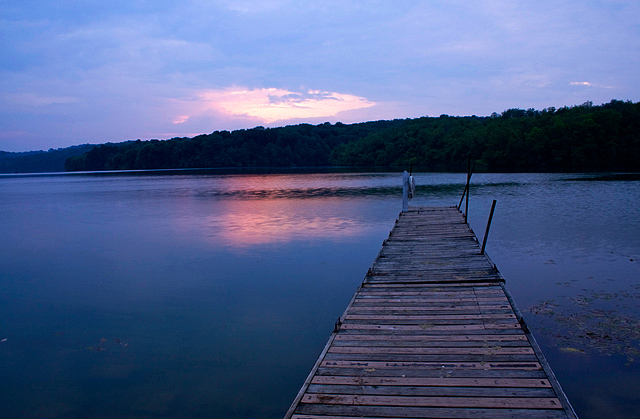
[578, 138]
[302, 145]
[40, 161]
[584, 137]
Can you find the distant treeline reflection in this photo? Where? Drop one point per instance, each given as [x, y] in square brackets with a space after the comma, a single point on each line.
[578, 138]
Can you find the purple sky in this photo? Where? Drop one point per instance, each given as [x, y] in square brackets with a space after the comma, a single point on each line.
[72, 72]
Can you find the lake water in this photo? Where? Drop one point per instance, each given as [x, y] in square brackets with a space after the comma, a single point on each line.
[202, 294]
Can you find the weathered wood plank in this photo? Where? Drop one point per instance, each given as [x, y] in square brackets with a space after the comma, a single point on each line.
[377, 412]
[429, 413]
[432, 345]
[430, 309]
[490, 350]
[433, 365]
[428, 373]
[432, 357]
[451, 300]
[427, 287]
[430, 317]
[430, 326]
[426, 331]
[365, 292]
[432, 305]
[439, 338]
[436, 382]
[433, 391]
[478, 402]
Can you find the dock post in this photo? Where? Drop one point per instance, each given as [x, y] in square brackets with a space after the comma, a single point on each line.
[406, 188]
[486, 231]
[465, 193]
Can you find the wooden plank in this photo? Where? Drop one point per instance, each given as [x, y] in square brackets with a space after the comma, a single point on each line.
[490, 350]
[451, 300]
[433, 365]
[361, 307]
[393, 346]
[429, 326]
[426, 331]
[436, 382]
[465, 402]
[428, 323]
[440, 338]
[433, 391]
[424, 322]
[432, 305]
[431, 357]
[390, 412]
[431, 286]
[430, 373]
[510, 316]
[436, 413]
[444, 280]
[451, 293]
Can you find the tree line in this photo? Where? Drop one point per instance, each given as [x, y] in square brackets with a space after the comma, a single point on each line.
[40, 161]
[302, 145]
[578, 138]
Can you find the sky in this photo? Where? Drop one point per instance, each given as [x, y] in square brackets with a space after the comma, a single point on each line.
[76, 71]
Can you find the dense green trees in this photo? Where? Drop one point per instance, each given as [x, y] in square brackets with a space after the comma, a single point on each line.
[583, 137]
[301, 145]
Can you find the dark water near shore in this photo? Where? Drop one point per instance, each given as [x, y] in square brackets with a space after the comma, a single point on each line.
[195, 295]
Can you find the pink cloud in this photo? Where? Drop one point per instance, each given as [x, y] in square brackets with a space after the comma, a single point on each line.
[181, 119]
[271, 104]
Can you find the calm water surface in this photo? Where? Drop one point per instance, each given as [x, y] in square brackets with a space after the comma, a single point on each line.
[210, 295]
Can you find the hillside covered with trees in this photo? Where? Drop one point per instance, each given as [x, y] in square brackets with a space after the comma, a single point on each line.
[578, 138]
[40, 161]
[302, 145]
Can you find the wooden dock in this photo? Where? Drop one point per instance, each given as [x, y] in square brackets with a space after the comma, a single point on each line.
[431, 333]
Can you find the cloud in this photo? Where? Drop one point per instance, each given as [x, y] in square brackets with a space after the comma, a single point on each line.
[181, 119]
[251, 6]
[272, 104]
[586, 83]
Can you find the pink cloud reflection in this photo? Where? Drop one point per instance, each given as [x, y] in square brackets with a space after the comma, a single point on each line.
[254, 222]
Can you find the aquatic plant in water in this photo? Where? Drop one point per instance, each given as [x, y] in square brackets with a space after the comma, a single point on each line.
[582, 325]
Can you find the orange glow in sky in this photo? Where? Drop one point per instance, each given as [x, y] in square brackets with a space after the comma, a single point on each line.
[271, 104]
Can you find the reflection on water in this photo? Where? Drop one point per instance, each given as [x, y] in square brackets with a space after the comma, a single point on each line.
[304, 192]
[200, 294]
[256, 222]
